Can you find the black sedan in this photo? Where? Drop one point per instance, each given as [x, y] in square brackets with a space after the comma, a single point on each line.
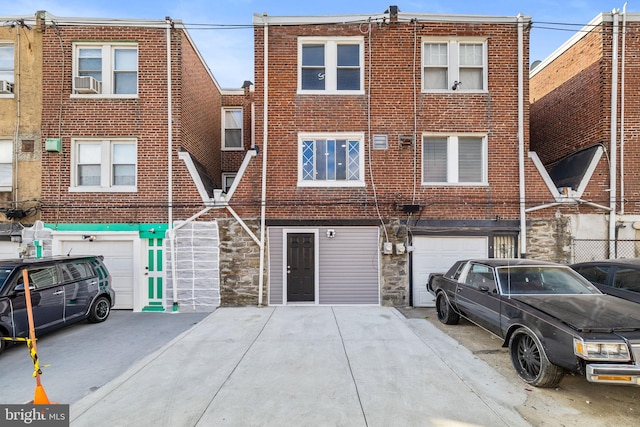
[552, 319]
[619, 277]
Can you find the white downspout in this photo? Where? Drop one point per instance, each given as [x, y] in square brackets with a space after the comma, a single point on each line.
[523, 215]
[624, 37]
[170, 232]
[17, 89]
[265, 125]
[613, 150]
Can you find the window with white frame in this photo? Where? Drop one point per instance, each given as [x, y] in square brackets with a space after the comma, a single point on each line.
[6, 68]
[6, 165]
[454, 65]
[106, 68]
[232, 128]
[104, 165]
[331, 65]
[330, 160]
[454, 159]
[227, 181]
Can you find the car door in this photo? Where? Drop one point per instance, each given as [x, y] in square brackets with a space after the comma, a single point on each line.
[47, 298]
[477, 296]
[80, 285]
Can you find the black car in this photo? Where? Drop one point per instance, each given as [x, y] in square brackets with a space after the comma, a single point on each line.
[552, 319]
[63, 290]
[619, 277]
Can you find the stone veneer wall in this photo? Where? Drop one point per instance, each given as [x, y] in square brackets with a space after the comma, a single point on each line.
[550, 239]
[239, 264]
[394, 269]
[197, 261]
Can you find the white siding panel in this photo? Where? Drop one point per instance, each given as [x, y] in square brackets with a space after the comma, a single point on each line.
[276, 253]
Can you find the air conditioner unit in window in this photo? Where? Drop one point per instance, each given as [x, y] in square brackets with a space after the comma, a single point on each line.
[86, 84]
[6, 87]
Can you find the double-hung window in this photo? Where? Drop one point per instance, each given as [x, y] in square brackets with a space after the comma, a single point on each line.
[109, 69]
[6, 165]
[104, 165]
[332, 65]
[330, 160]
[6, 68]
[454, 65]
[232, 128]
[454, 159]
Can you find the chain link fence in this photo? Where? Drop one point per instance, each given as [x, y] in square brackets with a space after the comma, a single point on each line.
[596, 249]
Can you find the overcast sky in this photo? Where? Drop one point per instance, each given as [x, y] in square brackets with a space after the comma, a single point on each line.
[229, 52]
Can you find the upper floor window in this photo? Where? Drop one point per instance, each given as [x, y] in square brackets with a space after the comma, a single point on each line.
[330, 160]
[232, 128]
[6, 68]
[107, 69]
[459, 65]
[227, 181]
[104, 165]
[331, 65]
[457, 159]
[6, 165]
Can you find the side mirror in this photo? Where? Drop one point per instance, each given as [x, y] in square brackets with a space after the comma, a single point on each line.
[20, 288]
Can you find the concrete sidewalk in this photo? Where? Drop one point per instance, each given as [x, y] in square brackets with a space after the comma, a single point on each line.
[306, 366]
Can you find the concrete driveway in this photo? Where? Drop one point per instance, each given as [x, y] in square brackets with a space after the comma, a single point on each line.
[313, 366]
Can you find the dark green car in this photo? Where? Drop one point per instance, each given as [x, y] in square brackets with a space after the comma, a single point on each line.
[64, 290]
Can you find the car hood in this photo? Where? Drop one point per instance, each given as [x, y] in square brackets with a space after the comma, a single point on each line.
[587, 313]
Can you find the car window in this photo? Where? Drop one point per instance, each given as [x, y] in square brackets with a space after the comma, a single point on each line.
[596, 274]
[4, 273]
[543, 280]
[40, 278]
[627, 278]
[480, 275]
[72, 271]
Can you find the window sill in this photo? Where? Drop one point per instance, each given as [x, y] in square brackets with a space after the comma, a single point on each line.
[451, 92]
[87, 189]
[455, 184]
[102, 96]
[232, 148]
[325, 184]
[330, 92]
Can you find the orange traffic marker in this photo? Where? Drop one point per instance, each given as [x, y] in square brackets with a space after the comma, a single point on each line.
[40, 397]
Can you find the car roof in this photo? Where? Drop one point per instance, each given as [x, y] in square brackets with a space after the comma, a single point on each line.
[620, 261]
[15, 262]
[512, 262]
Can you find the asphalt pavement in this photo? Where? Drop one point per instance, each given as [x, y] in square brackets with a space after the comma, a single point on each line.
[306, 366]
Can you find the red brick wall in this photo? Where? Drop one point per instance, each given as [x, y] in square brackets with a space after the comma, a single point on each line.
[143, 118]
[392, 113]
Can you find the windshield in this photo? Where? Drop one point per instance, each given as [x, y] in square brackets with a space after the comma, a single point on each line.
[4, 273]
[543, 280]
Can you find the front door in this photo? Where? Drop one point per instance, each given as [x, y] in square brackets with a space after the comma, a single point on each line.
[300, 267]
[154, 275]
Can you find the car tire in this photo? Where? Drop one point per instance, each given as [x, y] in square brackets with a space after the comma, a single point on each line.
[99, 310]
[3, 342]
[530, 360]
[445, 312]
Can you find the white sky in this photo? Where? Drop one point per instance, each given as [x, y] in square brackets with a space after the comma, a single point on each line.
[229, 52]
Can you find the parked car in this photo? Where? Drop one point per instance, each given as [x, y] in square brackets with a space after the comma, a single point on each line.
[63, 290]
[552, 319]
[619, 277]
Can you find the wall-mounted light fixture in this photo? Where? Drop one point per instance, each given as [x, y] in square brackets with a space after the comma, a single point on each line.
[88, 237]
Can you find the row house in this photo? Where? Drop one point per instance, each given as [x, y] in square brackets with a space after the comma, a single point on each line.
[585, 123]
[385, 147]
[20, 131]
[132, 145]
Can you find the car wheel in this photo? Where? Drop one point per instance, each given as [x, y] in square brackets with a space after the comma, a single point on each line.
[99, 310]
[445, 312]
[531, 362]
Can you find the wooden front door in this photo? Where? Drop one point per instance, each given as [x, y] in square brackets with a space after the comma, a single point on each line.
[300, 267]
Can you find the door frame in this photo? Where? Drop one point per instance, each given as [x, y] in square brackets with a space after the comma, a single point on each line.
[316, 261]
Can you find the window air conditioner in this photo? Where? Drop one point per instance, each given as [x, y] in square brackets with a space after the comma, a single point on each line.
[86, 84]
[6, 87]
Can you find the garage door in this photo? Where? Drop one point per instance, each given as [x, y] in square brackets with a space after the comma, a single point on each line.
[118, 257]
[437, 255]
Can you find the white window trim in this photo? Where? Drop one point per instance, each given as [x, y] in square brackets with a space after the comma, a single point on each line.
[8, 143]
[453, 67]
[225, 176]
[338, 183]
[331, 65]
[10, 95]
[224, 147]
[107, 64]
[452, 160]
[106, 167]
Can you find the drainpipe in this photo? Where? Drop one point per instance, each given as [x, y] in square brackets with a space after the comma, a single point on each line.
[624, 37]
[613, 149]
[523, 215]
[170, 232]
[263, 209]
[16, 91]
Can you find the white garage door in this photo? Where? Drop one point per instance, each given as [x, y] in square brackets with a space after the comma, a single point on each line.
[437, 255]
[118, 257]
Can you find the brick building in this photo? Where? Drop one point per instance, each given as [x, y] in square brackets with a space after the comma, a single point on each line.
[583, 100]
[388, 146]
